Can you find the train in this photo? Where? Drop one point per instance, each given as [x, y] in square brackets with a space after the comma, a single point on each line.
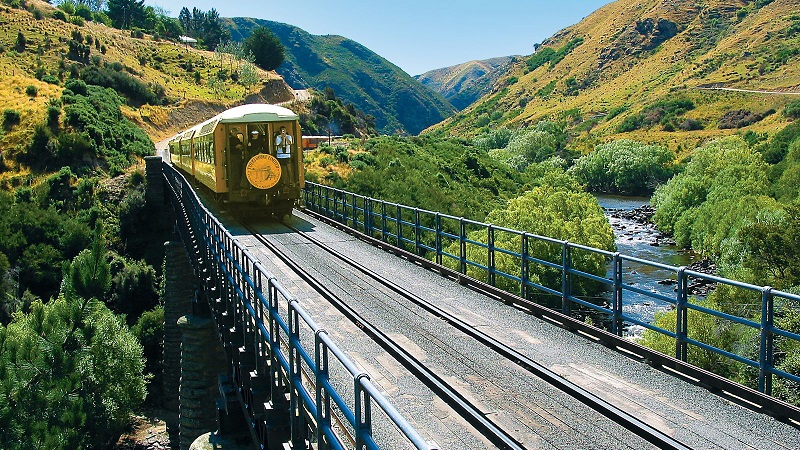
[248, 156]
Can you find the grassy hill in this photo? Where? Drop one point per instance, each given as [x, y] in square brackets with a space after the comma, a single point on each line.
[399, 103]
[55, 50]
[653, 70]
[465, 83]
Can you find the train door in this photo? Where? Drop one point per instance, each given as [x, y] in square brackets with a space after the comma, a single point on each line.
[257, 140]
[285, 139]
[235, 151]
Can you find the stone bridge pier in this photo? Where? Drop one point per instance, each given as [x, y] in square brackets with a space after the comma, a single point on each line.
[194, 359]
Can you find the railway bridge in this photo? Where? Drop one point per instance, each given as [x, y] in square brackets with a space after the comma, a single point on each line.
[355, 325]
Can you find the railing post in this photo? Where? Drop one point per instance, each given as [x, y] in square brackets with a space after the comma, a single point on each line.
[298, 425]
[383, 221]
[438, 238]
[681, 325]
[399, 220]
[417, 233]
[490, 254]
[355, 211]
[363, 412]
[566, 279]
[368, 217]
[524, 269]
[323, 416]
[328, 202]
[765, 360]
[616, 325]
[462, 246]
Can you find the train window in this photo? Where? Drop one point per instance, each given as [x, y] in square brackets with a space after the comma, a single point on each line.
[257, 139]
[283, 139]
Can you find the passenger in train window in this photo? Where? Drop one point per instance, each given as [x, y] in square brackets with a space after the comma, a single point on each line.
[257, 144]
[283, 143]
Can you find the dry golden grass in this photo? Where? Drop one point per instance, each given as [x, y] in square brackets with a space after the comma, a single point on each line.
[152, 61]
[635, 81]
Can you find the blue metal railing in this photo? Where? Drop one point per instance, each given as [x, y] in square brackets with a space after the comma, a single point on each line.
[273, 328]
[448, 240]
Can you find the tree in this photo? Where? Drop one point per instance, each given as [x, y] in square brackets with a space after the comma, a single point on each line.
[624, 166]
[72, 373]
[265, 47]
[248, 75]
[557, 213]
[125, 13]
[21, 43]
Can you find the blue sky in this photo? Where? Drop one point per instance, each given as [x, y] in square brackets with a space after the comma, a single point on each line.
[417, 35]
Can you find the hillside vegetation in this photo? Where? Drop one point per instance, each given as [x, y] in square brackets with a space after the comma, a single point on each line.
[356, 74]
[651, 70]
[169, 85]
[465, 83]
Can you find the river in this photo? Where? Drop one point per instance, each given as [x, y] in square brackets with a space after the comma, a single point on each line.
[641, 241]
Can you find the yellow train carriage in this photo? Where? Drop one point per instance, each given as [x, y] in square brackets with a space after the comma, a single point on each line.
[249, 154]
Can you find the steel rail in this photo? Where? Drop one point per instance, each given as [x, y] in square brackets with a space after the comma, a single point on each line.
[453, 398]
[642, 429]
[621, 417]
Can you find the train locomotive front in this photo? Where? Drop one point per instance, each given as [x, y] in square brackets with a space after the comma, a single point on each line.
[248, 156]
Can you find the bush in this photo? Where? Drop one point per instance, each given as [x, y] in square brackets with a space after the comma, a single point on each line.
[83, 11]
[546, 211]
[738, 119]
[149, 330]
[31, 91]
[50, 79]
[707, 203]
[134, 290]
[113, 77]
[72, 371]
[792, 110]
[624, 167]
[11, 117]
[59, 15]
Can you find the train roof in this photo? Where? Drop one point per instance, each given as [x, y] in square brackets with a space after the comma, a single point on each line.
[257, 112]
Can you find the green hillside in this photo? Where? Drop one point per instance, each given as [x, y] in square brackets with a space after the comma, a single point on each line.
[399, 103]
[465, 83]
[615, 74]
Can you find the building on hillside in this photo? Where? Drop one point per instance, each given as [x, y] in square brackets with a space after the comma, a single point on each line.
[188, 41]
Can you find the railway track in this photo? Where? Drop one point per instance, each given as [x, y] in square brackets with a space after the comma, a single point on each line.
[470, 412]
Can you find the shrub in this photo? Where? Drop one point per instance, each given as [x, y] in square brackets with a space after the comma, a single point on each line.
[708, 202]
[11, 117]
[792, 110]
[50, 79]
[777, 147]
[31, 91]
[74, 372]
[691, 125]
[59, 15]
[113, 77]
[149, 330]
[624, 167]
[21, 43]
[738, 119]
[631, 123]
[83, 11]
[53, 114]
[68, 7]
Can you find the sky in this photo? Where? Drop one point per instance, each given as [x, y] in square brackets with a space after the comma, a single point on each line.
[416, 35]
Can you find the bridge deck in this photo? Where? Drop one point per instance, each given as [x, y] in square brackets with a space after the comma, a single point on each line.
[540, 418]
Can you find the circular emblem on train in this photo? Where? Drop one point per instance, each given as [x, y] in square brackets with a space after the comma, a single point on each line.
[263, 171]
